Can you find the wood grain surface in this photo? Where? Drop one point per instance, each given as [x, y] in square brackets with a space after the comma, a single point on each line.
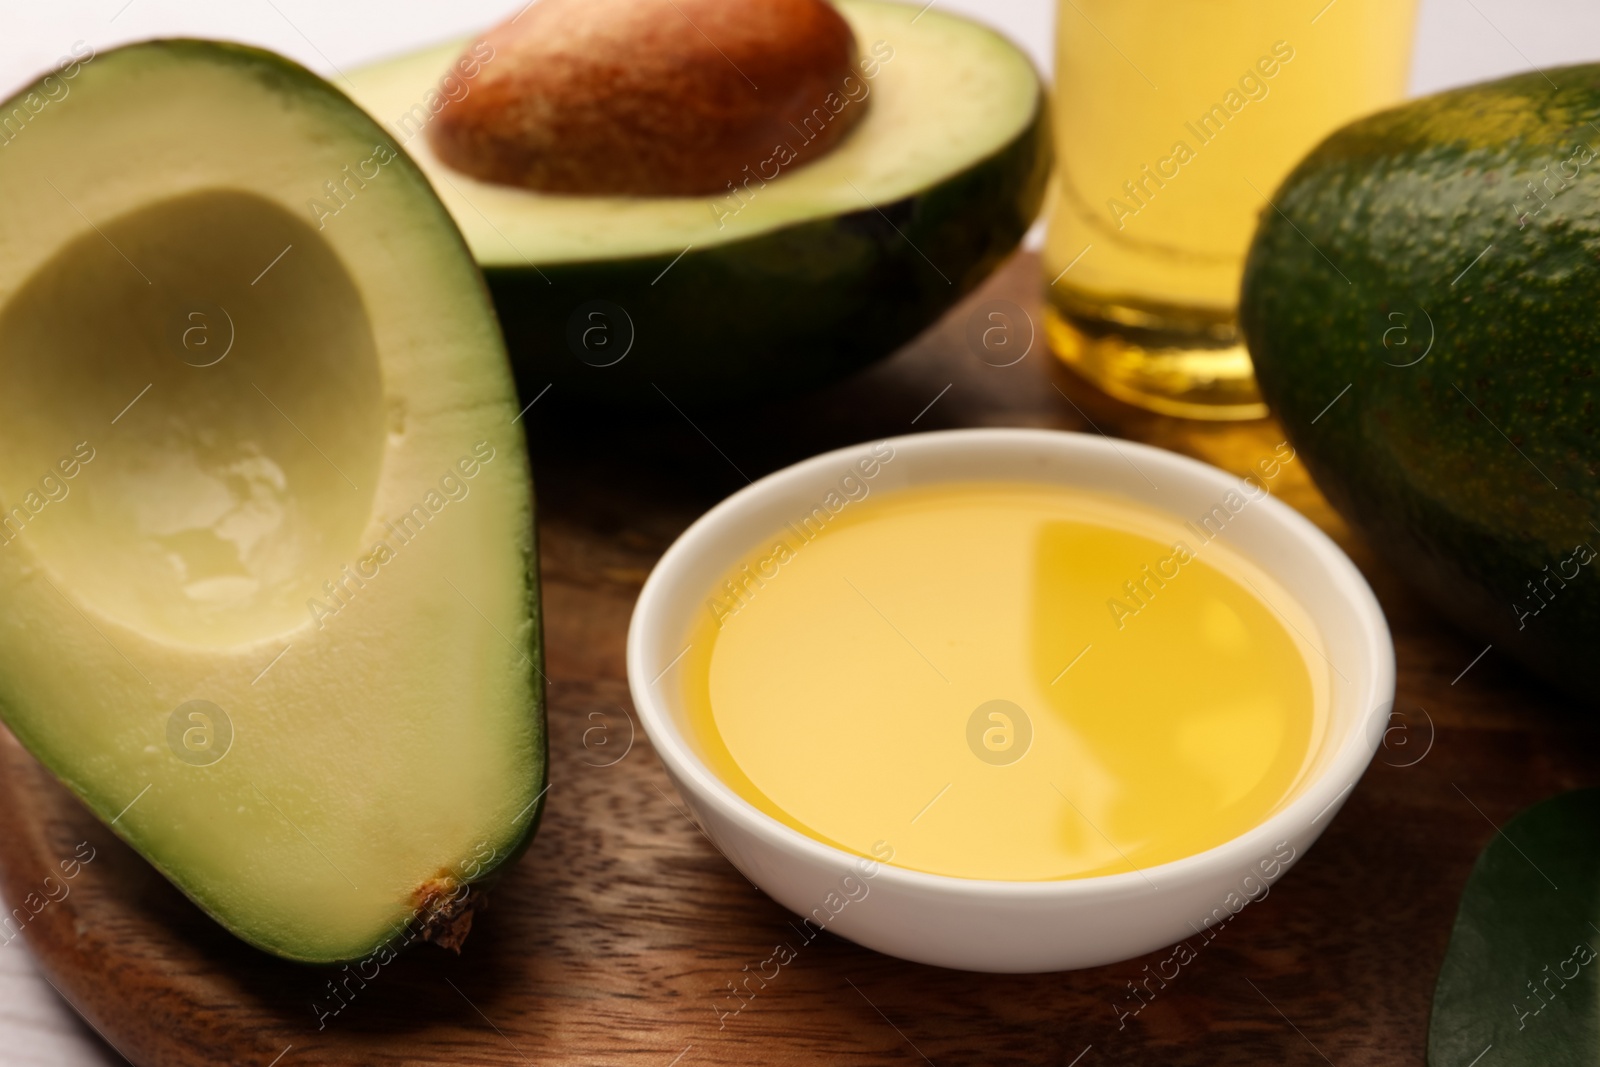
[615, 938]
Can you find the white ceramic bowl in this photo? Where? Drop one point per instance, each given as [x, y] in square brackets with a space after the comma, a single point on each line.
[1000, 925]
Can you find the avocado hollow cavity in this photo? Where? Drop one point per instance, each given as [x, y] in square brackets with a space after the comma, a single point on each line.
[214, 518]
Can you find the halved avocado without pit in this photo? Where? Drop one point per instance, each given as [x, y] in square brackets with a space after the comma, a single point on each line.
[781, 282]
[267, 590]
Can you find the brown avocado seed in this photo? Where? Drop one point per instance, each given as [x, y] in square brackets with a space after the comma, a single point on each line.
[651, 97]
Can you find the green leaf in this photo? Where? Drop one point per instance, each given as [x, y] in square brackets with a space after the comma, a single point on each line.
[1521, 978]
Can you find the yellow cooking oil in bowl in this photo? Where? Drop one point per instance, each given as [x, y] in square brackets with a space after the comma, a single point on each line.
[1005, 680]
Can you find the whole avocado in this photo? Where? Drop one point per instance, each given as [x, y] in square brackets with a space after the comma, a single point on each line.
[1422, 302]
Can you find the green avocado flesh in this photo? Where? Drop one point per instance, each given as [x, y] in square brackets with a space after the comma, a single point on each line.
[791, 281]
[267, 599]
[1421, 311]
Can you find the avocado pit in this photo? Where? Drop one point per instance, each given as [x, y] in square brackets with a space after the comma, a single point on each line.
[650, 97]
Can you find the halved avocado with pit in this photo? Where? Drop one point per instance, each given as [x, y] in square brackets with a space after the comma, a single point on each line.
[782, 283]
[267, 590]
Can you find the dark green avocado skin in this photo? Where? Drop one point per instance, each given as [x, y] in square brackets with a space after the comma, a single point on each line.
[1408, 258]
[781, 312]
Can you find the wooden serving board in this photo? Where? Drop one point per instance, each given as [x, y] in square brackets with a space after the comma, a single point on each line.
[615, 939]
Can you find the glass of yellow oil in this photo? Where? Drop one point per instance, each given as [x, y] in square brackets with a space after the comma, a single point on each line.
[1175, 121]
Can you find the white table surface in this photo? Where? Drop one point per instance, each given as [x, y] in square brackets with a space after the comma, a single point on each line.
[1458, 41]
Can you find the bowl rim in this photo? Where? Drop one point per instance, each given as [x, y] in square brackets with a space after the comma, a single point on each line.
[1318, 794]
